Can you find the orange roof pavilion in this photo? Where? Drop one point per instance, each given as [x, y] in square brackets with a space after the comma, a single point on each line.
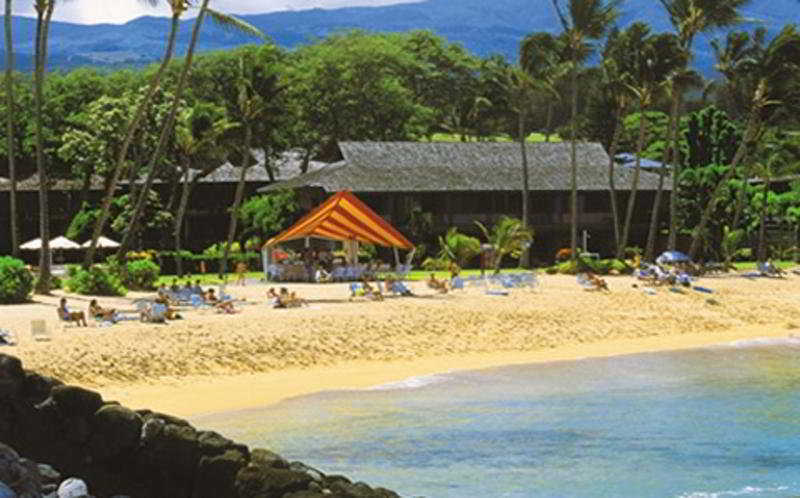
[344, 217]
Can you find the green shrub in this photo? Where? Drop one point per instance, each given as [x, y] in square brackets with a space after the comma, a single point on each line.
[436, 264]
[142, 274]
[97, 281]
[16, 281]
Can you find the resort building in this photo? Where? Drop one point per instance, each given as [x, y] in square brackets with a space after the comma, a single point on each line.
[460, 183]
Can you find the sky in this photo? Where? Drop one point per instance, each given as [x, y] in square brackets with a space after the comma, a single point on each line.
[121, 11]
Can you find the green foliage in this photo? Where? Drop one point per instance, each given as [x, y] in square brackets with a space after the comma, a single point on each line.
[458, 247]
[141, 275]
[16, 281]
[268, 214]
[367, 252]
[436, 264]
[80, 228]
[598, 266]
[508, 237]
[96, 281]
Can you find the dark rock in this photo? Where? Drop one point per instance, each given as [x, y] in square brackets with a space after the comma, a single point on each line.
[77, 430]
[74, 401]
[255, 481]
[12, 376]
[169, 446]
[19, 474]
[49, 489]
[212, 444]
[37, 387]
[148, 414]
[216, 475]
[313, 473]
[48, 474]
[354, 490]
[116, 429]
[306, 494]
[266, 458]
[385, 493]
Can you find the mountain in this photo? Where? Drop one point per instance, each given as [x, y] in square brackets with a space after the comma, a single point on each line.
[482, 27]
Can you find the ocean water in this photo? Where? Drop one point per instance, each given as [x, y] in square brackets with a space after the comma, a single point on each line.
[722, 421]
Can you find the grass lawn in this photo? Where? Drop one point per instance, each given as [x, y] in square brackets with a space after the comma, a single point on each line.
[751, 265]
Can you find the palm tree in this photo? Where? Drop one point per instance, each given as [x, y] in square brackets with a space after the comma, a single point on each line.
[458, 247]
[541, 58]
[774, 73]
[166, 130]
[507, 237]
[200, 138]
[10, 104]
[44, 13]
[587, 20]
[646, 61]
[178, 8]
[689, 18]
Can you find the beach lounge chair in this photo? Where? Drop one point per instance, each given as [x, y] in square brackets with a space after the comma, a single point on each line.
[39, 331]
[7, 338]
[457, 283]
[768, 269]
[154, 313]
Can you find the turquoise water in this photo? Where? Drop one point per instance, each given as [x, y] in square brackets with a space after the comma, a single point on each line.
[714, 422]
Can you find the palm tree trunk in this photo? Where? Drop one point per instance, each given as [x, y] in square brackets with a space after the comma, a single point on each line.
[43, 283]
[237, 200]
[652, 233]
[672, 241]
[177, 230]
[10, 109]
[525, 191]
[131, 130]
[166, 131]
[753, 129]
[626, 229]
[573, 158]
[612, 189]
[741, 196]
[762, 226]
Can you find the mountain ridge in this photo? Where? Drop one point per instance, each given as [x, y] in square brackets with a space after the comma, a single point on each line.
[483, 28]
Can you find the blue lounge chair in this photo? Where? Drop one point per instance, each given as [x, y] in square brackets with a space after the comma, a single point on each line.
[457, 283]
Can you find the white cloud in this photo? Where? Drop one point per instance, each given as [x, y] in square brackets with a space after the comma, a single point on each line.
[121, 11]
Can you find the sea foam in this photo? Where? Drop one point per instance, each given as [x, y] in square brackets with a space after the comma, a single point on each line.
[745, 491]
[765, 341]
[411, 383]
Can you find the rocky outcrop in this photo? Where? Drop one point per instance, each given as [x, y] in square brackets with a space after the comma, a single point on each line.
[141, 454]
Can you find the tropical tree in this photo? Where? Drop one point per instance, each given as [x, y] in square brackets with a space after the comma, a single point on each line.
[44, 14]
[542, 61]
[690, 18]
[582, 21]
[774, 76]
[201, 139]
[507, 237]
[10, 113]
[167, 128]
[458, 247]
[178, 8]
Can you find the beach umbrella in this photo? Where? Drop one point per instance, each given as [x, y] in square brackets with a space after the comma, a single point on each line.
[102, 242]
[670, 257]
[60, 243]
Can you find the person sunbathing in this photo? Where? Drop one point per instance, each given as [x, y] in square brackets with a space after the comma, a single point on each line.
[596, 282]
[437, 285]
[370, 291]
[225, 307]
[172, 313]
[210, 297]
[70, 316]
[106, 314]
[272, 296]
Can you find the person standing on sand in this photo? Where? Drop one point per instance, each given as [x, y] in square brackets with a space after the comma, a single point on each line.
[241, 273]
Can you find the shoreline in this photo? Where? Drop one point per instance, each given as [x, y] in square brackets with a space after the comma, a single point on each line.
[198, 396]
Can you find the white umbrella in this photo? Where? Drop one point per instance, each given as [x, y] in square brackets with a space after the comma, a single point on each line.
[102, 242]
[57, 243]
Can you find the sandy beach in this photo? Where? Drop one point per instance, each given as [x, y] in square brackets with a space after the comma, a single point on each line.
[210, 362]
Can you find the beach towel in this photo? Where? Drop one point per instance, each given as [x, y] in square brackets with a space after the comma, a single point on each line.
[702, 289]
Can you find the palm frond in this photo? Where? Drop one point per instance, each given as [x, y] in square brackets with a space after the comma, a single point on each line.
[231, 23]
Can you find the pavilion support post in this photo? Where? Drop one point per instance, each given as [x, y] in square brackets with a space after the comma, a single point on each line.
[396, 257]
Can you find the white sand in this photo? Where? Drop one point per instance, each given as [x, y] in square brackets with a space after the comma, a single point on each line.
[210, 362]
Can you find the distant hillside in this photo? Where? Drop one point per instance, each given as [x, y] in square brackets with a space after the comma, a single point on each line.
[484, 27]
